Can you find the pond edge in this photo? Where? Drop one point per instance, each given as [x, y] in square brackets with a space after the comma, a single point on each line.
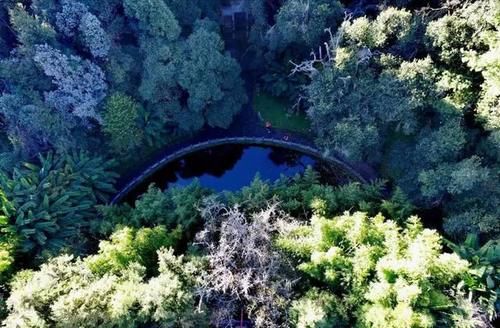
[257, 141]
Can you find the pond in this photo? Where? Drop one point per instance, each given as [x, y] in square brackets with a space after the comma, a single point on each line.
[230, 167]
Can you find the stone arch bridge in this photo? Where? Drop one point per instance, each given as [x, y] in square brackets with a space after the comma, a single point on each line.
[353, 172]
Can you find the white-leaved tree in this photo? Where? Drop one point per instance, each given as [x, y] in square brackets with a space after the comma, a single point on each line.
[68, 19]
[75, 20]
[94, 36]
[80, 83]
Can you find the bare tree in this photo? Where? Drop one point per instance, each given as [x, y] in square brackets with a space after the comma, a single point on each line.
[245, 272]
[322, 57]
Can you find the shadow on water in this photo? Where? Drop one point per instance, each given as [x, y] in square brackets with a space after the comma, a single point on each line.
[229, 167]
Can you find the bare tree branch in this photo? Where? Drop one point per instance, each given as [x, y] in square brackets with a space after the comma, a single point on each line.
[244, 269]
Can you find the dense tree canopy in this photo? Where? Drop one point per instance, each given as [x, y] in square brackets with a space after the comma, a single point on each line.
[69, 55]
[354, 270]
[415, 115]
[83, 293]
[405, 92]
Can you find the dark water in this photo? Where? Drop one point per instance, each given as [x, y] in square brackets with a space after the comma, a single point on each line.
[229, 167]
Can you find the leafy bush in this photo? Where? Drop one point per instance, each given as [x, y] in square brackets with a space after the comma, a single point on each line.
[299, 197]
[375, 274]
[55, 199]
[390, 25]
[174, 207]
[121, 123]
[485, 262]
[31, 30]
[127, 246]
[82, 293]
[302, 24]
[94, 37]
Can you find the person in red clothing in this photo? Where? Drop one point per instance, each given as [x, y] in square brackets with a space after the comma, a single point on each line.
[268, 126]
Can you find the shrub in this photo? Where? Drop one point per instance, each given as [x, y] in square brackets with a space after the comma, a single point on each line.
[55, 199]
[375, 274]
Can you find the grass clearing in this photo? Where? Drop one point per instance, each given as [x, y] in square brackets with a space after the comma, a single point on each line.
[275, 110]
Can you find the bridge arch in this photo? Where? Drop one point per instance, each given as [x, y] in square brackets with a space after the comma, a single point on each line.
[350, 171]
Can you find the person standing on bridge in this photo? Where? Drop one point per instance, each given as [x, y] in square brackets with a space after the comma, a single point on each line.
[268, 126]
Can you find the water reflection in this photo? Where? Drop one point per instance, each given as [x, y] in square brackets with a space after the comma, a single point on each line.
[228, 167]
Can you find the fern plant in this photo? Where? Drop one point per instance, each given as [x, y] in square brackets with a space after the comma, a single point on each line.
[485, 273]
[55, 199]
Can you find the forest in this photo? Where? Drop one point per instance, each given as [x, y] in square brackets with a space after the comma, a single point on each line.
[405, 92]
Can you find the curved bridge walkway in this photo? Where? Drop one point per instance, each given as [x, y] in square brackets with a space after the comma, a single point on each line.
[272, 138]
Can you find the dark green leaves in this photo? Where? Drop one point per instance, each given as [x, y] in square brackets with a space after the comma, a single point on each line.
[55, 199]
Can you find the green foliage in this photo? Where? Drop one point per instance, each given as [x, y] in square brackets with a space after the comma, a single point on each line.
[154, 18]
[390, 25]
[75, 293]
[304, 194]
[174, 207]
[211, 79]
[22, 72]
[318, 309]
[158, 81]
[68, 53]
[353, 109]
[153, 207]
[75, 19]
[355, 140]
[485, 274]
[442, 144]
[55, 199]
[452, 34]
[398, 207]
[26, 125]
[455, 178]
[491, 146]
[278, 81]
[80, 83]
[94, 37]
[277, 112]
[123, 68]
[121, 123]
[410, 89]
[31, 30]
[469, 37]
[361, 32]
[39, 58]
[70, 16]
[185, 12]
[8, 238]
[373, 101]
[381, 276]
[478, 214]
[302, 23]
[127, 246]
[191, 82]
